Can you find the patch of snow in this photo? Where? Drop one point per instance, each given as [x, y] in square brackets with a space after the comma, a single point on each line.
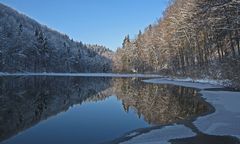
[184, 82]
[132, 134]
[207, 81]
[161, 136]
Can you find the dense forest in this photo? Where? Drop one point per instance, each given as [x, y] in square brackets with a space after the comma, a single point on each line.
[27, 46]
[193, 38]
[196, 38]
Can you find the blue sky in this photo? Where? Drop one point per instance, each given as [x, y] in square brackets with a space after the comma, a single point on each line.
[104, 22]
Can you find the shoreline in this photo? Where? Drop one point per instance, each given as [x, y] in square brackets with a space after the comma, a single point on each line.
[2, 74]
[218, 124]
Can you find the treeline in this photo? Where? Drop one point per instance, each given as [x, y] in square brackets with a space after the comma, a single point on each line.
[27, 46]
[193, 38]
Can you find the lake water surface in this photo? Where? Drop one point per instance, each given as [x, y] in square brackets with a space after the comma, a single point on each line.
[62, 110]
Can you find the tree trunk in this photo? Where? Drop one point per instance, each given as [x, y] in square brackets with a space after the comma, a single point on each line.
[237, 41]
[232, 45]
[219, 53]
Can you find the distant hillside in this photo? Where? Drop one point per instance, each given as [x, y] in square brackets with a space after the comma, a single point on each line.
[27, 46]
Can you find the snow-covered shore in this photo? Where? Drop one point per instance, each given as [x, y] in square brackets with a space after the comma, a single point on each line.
[84, 75]
[158, 79]
[193, 83]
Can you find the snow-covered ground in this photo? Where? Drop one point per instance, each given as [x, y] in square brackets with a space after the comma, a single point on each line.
[192, 83]
[221, 126]
[84, 75]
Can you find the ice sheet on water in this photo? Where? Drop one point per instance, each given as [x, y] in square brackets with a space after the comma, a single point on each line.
[161, 135]
[225, 119]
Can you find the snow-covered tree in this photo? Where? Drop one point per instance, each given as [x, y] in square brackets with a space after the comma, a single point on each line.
[28, 46]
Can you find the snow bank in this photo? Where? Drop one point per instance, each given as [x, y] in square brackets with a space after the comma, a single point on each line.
[205, 81]
[188, 82]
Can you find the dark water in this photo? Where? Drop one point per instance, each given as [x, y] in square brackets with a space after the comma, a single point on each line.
[89, 110]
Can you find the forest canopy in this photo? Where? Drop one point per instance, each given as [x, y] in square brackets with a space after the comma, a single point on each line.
[197, 38]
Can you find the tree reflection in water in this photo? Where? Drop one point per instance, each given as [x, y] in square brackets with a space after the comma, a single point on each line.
[160, 104]
[25, 101]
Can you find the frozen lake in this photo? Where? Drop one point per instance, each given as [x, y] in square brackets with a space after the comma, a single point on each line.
[113, 108]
